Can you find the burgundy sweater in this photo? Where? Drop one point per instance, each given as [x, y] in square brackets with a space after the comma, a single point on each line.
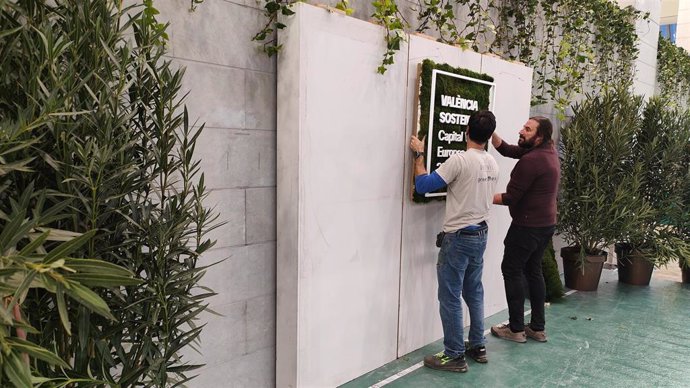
[533, 188]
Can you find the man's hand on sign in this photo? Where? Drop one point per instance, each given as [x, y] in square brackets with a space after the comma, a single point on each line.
[417, 145]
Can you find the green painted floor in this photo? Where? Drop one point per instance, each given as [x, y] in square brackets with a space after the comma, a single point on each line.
[619, 336]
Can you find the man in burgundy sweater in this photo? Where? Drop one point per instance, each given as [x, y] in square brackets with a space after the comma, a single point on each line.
[531, 197]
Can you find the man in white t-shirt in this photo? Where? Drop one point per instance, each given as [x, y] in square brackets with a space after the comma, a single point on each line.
[471, 178]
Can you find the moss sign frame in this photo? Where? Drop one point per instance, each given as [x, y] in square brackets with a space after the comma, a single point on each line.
[457, 93]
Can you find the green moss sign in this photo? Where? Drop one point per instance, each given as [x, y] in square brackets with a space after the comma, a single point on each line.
[447, 97]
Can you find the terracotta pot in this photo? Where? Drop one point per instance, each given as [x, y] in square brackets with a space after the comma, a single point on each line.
[582, 278]
[633, 268]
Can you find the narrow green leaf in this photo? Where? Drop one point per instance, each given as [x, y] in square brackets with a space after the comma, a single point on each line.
[10, 231]
[49, 283]
[184, 368]
[33, 245]
[7, 272]
[62, 309]
[17, 371]
[16, 166]
[20, 146]
[69, 114]
[58, 234]
[23, 287]
[83, 326]
[36, 351]
[10, 32]
[89, 299]
[26, 327]
[97, 266]
[5, 316]
[68, 247]
[102, 280]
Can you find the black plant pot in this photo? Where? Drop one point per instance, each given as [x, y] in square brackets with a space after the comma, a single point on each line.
[633, 268]
[582, 278]
[686, 274]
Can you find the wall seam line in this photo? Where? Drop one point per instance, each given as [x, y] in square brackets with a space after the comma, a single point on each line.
[404, 198]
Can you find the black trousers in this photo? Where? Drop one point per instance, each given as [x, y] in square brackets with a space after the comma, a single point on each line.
[524, 249]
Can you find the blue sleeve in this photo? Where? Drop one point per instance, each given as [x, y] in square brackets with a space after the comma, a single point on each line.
[428, 182]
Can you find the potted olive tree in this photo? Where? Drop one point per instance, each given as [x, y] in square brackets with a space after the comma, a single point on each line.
[600, 179]
[660, 146]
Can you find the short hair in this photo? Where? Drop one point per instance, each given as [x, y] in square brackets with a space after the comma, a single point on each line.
[481, 126]
[544, 129]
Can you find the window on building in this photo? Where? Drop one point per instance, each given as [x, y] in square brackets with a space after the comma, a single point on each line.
[668, 31]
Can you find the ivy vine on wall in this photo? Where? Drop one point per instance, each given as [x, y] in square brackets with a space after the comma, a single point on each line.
[467, 32]
[388, 15]
[673, 73]
[574, 46]
[267, 35]
[272, 9]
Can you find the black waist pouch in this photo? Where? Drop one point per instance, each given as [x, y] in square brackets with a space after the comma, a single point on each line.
[439, 238]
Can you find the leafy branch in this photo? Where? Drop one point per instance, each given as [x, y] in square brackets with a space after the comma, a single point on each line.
[574, 46]
[94, 136]
[267, 36]
[673, 73]
[344, 5]
[387, 14]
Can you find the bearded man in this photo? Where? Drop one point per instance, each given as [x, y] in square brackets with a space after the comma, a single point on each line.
[531, 197]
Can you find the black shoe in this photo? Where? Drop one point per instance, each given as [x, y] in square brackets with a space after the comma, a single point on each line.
[477, 353]
[442, 362]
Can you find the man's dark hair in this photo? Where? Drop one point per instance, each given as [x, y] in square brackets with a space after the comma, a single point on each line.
[544, 129]
[481, 125]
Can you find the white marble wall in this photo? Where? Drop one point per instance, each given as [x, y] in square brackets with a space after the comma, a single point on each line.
[232, 89]
[683, 22]
[356, 266]
[339, 193]
[669, 11]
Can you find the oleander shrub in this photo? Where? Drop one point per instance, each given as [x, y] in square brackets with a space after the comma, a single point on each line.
[101, 143]
[601, 175]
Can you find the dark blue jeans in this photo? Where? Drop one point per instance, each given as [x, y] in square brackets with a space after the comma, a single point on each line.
[524, 249]
[459, 271]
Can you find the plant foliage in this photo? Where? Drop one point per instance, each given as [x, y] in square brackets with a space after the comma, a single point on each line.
[601, 175]
[387, 14]
[574, 46]
[267, 35]
[673, 73]
[682, 219]
[552, 277]
[660, 146]
[101, 142]
[35, 259]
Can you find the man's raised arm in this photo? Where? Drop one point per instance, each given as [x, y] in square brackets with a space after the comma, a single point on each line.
[505, 149]
[423, 182]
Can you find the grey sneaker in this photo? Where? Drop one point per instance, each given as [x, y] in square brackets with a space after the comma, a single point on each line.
[503, 331]
[442, 362]
[535, 335]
